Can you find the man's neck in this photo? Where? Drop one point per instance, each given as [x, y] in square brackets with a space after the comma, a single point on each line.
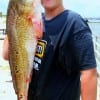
[49, 14]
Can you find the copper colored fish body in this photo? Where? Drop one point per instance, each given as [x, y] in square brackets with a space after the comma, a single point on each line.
[24, 27]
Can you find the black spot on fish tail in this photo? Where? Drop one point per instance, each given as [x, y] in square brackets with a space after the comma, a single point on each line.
[17, 52]
[21, 96]
[16, 71]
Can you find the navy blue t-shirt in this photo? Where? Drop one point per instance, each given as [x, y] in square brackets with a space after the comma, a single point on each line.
[65, 49]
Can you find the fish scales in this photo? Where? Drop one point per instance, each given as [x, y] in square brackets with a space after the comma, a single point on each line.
[22, 35]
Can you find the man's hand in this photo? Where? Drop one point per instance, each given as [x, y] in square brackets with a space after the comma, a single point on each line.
[5, 48]
[89, 84]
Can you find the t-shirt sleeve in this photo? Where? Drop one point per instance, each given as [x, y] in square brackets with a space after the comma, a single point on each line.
[81, 44]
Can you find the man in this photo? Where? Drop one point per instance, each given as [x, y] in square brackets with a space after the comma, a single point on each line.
[67, 67]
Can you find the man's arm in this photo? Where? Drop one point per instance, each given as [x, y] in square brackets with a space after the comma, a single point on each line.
[5, 48]
[89, 84]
